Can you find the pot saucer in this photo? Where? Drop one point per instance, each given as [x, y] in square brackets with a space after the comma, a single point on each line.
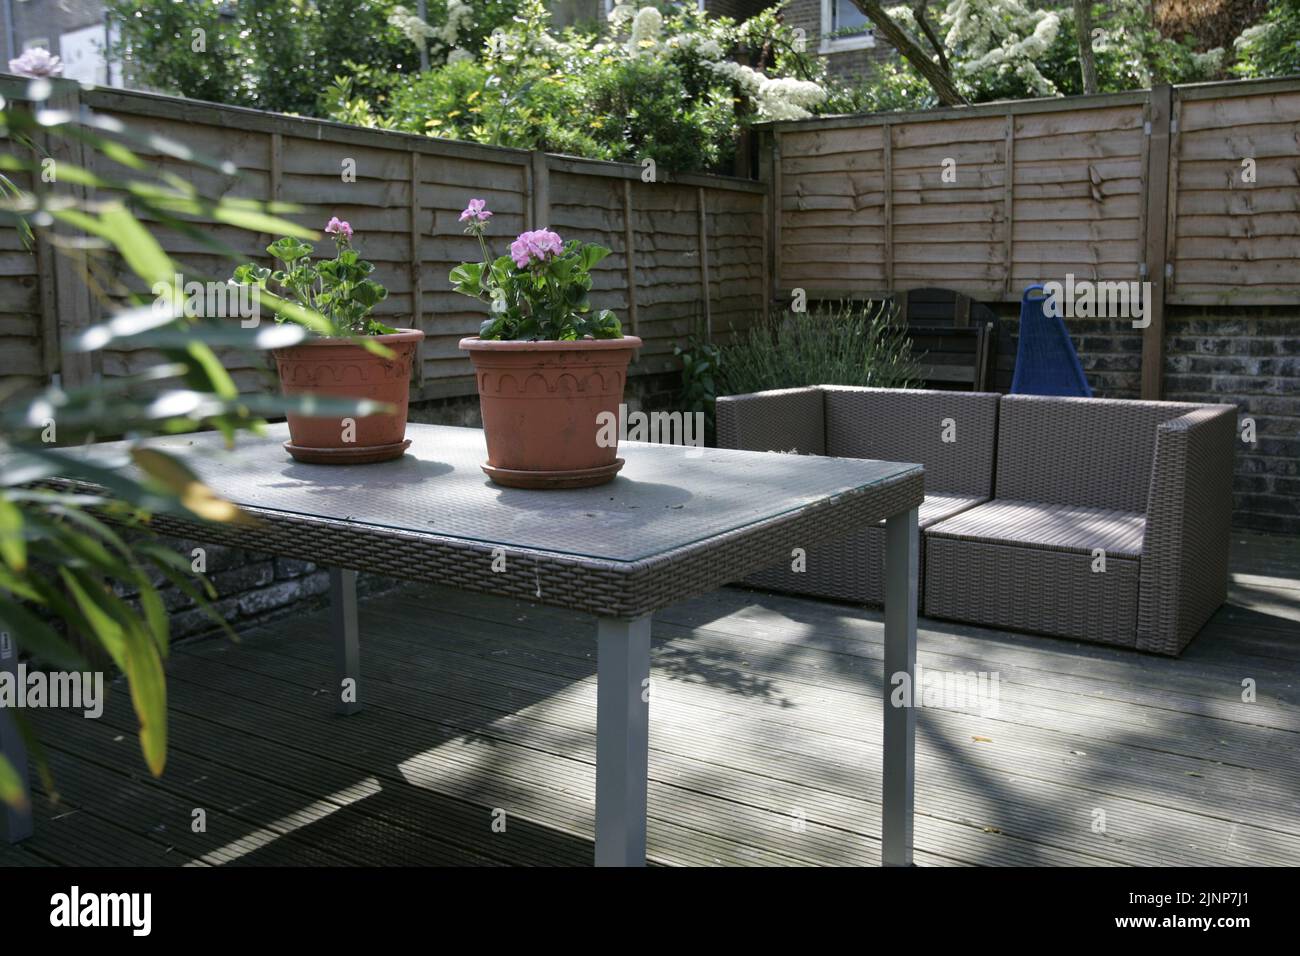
[364, 455]
[578, 478]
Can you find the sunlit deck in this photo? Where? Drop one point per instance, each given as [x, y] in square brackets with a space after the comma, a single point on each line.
[765, 730]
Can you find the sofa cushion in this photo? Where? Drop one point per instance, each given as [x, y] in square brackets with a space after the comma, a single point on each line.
[1089, 452]
[936, 508]
[1018, 587]
[1051, 527]
[897, 424]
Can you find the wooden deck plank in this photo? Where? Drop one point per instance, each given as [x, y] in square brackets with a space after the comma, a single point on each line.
[770, 759]
[764, 742]
[1146, 768]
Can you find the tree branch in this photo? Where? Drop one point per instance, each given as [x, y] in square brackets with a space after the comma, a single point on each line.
[939, 78]
[1083, 30]
[918, 12]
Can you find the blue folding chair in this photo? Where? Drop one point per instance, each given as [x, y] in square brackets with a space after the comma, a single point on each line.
[1046, 362]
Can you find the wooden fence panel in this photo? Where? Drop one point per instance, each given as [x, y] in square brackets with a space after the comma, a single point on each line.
[984, 201]
[403, 196]
[858, 206]
[737, 290]
[1235, 223]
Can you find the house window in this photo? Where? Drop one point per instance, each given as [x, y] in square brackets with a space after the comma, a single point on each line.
[845, 27]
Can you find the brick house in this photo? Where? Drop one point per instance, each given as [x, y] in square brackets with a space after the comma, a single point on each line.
[835, 29]
[840, 32]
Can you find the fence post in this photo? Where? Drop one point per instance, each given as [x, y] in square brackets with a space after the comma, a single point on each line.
[72, 302]
[704, 265]
[629, 254]
[541, 189]
[887, 148]
[1157, 200]
[417, 282]
[775, 204]
[1009, 202]
[764, 152]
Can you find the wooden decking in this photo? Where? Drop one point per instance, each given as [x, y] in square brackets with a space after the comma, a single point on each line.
[765, 728]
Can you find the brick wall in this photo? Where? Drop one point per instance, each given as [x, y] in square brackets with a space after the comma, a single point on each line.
[739, 10]
[252, 588]
[846, 64]
[1248, 356]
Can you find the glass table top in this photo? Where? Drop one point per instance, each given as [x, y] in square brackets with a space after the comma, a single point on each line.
[666, 496]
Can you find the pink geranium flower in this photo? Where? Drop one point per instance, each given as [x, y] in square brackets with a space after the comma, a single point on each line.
[36, 62]
[536, 246]
[475, 212]
[337, 227]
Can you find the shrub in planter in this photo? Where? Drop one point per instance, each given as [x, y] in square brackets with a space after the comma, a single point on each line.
[546, 365]
[361, 358]
[845, 343]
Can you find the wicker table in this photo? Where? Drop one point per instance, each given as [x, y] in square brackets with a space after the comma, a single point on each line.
[676, 522]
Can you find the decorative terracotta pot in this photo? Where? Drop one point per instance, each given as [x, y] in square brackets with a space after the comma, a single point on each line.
[340, 368]
[542, 406]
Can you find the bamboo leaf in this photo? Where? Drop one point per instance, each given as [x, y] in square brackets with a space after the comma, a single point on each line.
[137, 246]
[37, 637]
[16, 585]
[89, 594]
[218, 378]
[194, 495]
[148, 683]
[155, 613]
[13, 548]
[12, 790]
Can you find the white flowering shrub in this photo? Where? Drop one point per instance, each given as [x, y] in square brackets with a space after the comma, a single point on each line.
[676, 86]
[1003, 37]
[1012, 49]
[411, 27]
[1272, 46]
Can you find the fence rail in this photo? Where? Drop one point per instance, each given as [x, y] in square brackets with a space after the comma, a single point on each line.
[687, 249]
[1195, 189]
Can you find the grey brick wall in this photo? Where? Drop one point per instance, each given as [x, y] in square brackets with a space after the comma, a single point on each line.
[252, 588]
[1248, 356]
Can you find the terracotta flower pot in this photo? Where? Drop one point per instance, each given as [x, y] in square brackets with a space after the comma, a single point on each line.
[542, 403]
[340, 368]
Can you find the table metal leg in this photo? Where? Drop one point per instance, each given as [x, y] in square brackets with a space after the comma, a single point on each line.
[15, 824]
[344, 632]
[622, 739]
[901, 547]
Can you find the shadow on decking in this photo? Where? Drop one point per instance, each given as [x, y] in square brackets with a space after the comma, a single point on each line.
[765, 739]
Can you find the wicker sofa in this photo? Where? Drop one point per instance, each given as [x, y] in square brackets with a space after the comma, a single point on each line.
[1108, 520]
[880, 423]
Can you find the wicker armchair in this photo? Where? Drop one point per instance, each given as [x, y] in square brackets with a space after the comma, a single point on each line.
[1110, 524]
[950, 433]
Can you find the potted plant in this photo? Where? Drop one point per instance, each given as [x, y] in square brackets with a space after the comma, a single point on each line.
[359, 358]
[549, 370]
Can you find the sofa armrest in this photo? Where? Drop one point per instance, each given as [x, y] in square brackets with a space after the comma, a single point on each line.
[1184, 571]
[789, 419]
